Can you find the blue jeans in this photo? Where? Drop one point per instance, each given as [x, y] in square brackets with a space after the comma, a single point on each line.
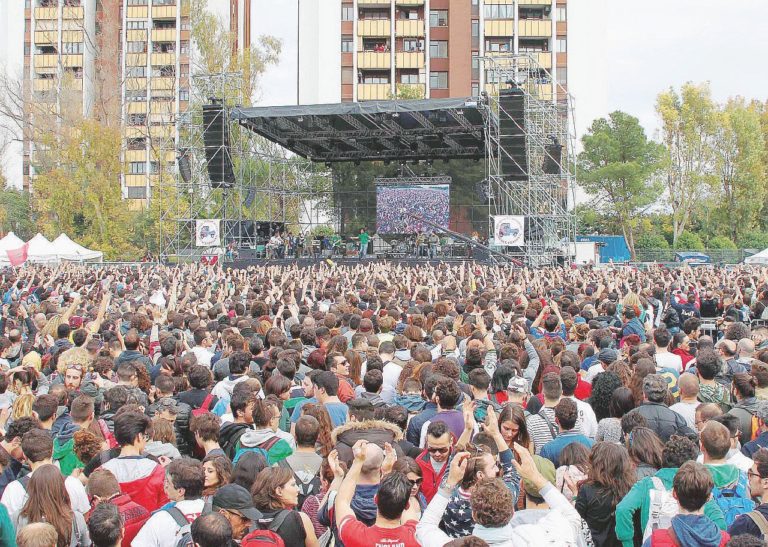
[363, 250]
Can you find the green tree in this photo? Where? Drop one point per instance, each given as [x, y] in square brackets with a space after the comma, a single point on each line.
[739, 151]
[688, 125]
[406, 92]
[619, 165]
[721, 242]
[79, 192]
[651, 241]
[15, 213]
[689, 241]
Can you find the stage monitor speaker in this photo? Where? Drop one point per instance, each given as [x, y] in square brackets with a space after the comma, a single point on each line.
[480, 254]
[185, 170]
[553, 158]
[217, 150]
[514, 159]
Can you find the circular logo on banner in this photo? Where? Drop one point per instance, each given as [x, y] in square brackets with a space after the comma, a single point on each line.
[509, 231]
[209, 233]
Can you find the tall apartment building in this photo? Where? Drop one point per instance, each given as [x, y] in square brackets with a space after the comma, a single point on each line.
[132, 56]
[371, 49]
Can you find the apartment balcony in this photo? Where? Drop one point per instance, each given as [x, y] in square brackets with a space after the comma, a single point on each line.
[408, 27]
[535, 28]
[133, 84]
[163, 83]
[499, 27]
[46, 13]
[373, 60]
[167, 156]
[72, 36]
[420, 88]
[163, 59]
[46, 37]
[73, 12]
[46, 61]
[136, 180]
[164, 34]
[136, 36]
[373, 3]
[544, 58]
[373, 92]
[44, 84]
[409, 2]
[136, 59]
[135, 156]
[162, 131]
[137, 12]
[409, 59]
[72, 60]
[136, 107]
[534, 3]
[163, 108]
[374, 27]
[164, 12]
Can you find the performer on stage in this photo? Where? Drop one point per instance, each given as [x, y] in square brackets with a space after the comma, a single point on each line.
[363, 238]
[434, 242]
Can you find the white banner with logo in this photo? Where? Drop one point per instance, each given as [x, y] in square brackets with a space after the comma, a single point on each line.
[509, 230]
[208, 233]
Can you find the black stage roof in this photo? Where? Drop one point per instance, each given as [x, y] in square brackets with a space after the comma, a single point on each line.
[373, 130]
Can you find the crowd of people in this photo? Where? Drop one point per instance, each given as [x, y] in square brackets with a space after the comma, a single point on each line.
[383, 404]
[395, 206]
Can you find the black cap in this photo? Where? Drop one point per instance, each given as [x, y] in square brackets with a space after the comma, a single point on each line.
[233, 497]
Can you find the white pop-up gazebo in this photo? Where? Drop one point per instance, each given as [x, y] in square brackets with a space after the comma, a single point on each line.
[10, 242]
[759, 258]
[69, 250]
[41, 251]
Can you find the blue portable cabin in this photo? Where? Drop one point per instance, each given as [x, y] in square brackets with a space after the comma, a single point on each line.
[611, 248]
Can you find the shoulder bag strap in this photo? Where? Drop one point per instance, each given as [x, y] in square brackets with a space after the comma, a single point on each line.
[761, 522]
[279, 520]
[178, 516]
[551, 426]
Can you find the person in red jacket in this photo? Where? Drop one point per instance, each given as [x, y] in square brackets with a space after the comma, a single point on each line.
[691, 487]
[139, 477]
[103, 488]
[434, 460]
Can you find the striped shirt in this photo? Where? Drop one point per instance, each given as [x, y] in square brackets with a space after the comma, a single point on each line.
[541, 430]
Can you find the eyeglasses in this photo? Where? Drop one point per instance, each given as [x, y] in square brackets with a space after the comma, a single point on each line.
[751, 473]
[438, 450]
[416, 482]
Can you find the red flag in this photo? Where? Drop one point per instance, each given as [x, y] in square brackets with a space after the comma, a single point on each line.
[17, 257]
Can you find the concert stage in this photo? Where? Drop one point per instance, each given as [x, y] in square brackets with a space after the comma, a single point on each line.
[308, 262]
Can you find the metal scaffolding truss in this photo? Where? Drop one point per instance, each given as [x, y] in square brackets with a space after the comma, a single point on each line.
[527, 142]
[271, 186]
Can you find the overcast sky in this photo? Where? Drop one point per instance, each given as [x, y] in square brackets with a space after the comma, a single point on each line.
[621, 53]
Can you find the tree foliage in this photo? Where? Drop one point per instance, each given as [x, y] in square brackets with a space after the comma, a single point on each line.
[619, 166]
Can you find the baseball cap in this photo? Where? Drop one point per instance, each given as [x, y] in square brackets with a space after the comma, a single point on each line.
[518, 385]
[169, 404]
[233, 497]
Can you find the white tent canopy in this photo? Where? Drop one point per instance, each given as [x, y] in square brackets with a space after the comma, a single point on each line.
[759, 258]
[41, 250]
[69, 250]
[10, 242]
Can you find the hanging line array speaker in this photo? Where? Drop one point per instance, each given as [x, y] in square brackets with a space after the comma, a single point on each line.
[217, 151]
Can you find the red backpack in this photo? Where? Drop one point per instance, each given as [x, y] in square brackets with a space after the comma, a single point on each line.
[267, 537]
[666, 538]
[205, 407]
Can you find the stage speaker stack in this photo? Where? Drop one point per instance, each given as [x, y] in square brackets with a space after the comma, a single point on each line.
[512, 134]
[217, 152]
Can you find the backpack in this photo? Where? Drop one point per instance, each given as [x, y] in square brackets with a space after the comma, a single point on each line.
[267, 537]
[734, 500]
[667, 538]
[185, 527]
[205, 407]
[309, 485]
[663, 506]
[262, 449]
[760, 521]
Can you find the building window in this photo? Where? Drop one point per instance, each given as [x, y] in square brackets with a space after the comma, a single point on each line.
[347, 12]
[185, 24]
[168, 71]
[136, 72]
[137, 2]
[562, 13]
[475, 90]
[497, 45]
[184, 44]
[499, 11]
[409, 78]
[475, 28]
[373, 78]
[136, 192]
[166, 47]
[137, 25]
[562, 75]
[347, 44]
[562, 45]
[137, 119]
[413, 44]
[27, 49]
[137, 168]
[438, 80]
[137, 144]
[438, 49]
[184, 71]
[184, 94]
[72, 48]
[136, 47]
[438, 18]
[164, 24]
[347, 75]
[475, 66]
[135, 95]
[378, 14]
[163, 2]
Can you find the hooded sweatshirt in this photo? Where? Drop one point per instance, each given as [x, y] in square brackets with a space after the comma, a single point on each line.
[264, 439]
[63, 449]
[223, 389]
[744, 410]
[229, 436]
[691, 531]
[412, 402]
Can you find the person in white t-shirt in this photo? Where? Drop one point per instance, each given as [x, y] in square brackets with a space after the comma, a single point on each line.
[391, 371]
[184, 480]
[689, 390]
[37, 446]
[664, 358]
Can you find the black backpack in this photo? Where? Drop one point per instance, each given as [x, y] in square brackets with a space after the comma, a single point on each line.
[308, 485]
